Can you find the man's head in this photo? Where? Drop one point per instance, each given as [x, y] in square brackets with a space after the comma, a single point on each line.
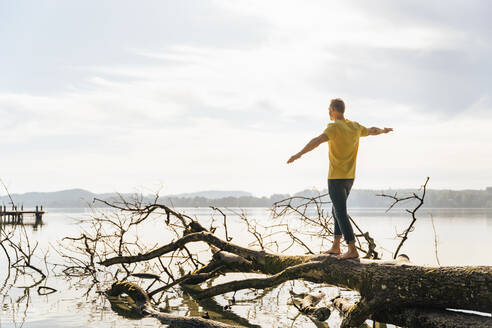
[337, 108]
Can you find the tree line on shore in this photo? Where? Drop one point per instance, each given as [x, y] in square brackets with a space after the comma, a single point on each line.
[361, 198]
[358, 198]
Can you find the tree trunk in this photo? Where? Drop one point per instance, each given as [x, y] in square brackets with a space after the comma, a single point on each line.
[420, 317]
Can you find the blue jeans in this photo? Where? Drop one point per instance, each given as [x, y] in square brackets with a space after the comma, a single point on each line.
[339, 190]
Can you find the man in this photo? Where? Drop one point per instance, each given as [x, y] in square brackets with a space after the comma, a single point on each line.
[343, 140]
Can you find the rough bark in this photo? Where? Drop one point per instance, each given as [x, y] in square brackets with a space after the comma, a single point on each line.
[420, 317]
[143, 307]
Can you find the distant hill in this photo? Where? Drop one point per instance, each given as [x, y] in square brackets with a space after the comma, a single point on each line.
[212, 194]
[57, 199]
[80, 198]
[63, 198]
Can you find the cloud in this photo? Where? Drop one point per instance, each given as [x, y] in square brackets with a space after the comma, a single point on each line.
[42, 41]
[435, 57]
[220, 95]
[443, 82]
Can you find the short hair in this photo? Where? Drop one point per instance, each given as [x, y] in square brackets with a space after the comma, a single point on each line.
[338, 105]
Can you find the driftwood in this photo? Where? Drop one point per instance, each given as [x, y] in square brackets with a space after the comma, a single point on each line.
[383, 285]
[416, 317]
[142, 307]
[307, 306]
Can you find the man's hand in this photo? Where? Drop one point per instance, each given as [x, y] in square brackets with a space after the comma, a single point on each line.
[374, 131]
[293, 158]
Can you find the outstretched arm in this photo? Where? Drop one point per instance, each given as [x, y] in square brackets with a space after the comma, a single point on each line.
[310, 146]
[375, 131]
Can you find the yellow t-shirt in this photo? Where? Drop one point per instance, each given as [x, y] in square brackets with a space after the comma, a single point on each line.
[343, 140]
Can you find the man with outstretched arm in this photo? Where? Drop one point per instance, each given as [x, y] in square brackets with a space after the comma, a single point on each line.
[343, 140]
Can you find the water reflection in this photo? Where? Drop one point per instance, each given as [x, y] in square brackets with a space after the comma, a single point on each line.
[463, 238]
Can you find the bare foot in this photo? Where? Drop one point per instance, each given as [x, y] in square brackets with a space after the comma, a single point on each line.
[333, 250]
[350, 254]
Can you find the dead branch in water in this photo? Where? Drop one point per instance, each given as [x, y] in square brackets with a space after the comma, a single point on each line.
[190, 259]
[313, 212]
[420, 198]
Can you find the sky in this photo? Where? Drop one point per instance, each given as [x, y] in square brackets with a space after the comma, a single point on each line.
[183, 96]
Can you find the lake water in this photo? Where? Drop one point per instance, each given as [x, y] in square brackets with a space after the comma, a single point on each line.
[463, 238]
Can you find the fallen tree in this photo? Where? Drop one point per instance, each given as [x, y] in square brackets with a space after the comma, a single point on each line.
[393, 291]
[384, 286]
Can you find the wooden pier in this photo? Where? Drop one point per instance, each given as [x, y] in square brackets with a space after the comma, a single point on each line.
[16, 215]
